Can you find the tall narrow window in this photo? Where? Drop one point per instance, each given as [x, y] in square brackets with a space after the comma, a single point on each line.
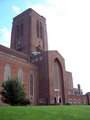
[22, 28]
[42, 33]
[7, 72]
[41, 30]
[20, 75]
[37, 28]
[56, 75]
[18, 30]
[31, 84]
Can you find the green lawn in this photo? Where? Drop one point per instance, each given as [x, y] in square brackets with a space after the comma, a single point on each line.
[45, 113]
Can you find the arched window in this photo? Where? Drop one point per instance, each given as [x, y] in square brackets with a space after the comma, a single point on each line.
[7, 72]
[20, 75]
[31, 84]
[56, 76]
[37, 28]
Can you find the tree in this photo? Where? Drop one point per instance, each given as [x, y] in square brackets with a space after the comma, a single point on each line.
[13, 93]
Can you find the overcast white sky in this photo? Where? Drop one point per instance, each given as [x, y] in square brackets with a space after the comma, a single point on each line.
[68, 26]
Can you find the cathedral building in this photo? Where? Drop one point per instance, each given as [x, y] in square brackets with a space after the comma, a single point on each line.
[41, 71]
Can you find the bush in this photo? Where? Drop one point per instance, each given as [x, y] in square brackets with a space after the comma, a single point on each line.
[26, 102]
[69, 103]
[13, 93]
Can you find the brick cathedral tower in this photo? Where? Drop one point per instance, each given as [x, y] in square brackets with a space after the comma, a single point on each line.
[41, 71]
[29, 33]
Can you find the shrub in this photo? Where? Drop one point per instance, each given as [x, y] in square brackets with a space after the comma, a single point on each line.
[13, 93]
[69, 103]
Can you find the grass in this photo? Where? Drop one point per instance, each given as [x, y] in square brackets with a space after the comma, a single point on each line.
[45, 113]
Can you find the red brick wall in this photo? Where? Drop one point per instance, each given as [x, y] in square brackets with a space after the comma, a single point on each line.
[41, 60]
[15, 65]
[78, 99]
[69, 80]
[52, 55]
